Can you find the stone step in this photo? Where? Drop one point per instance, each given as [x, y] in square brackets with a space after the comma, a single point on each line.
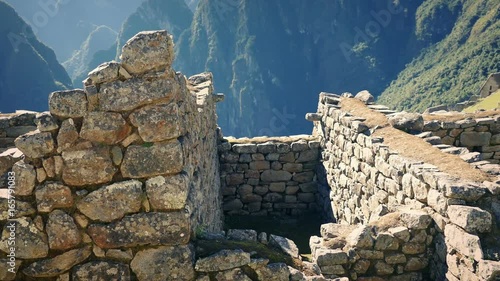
[424, 135]
[433, 140]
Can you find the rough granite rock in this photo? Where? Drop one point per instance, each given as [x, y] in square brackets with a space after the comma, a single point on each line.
[121, 96]
[104, 127]
[273, 272]
[242, 235]
[25, 178]
[148, 161]
[35, 144]
[34, 242]
[87, 167]
[142, 229]
[167, 193]
[67, 135]
[105, 72]
[360, 238]
[408, 122]
[275, 176]
[55, 266]
[148, 50]
[8, 158]
[101, 271]
[68, 104]
[284, 244]
[62, 231]
[223, 260]
[45, 122]
[465, 243]
[52, 195]
[232, 275]
[22, 209]
[113, 201]
[164, 263]
[365, 97]
[5, 274]
[471, 219]
[158, 122]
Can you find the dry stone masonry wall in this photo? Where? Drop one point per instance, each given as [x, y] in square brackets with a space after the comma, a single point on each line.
[118, 176]
[363, 181]
[269, 177]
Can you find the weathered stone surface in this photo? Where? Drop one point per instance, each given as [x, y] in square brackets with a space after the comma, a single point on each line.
[386, 241]
[360, 238]
[21, 209]
[232, 275]
[105, 72]
[223, 260]
[242, 234]
[158, 159]
[52, 195]
[164, 263]
[274, 272]
[5, 269]
[8, 158]
[463, 190]
[120, 96]
[62, 231]
[158, 122]
[275, 176]
[113, 201]
[55, 266]
[14, 132]
[148, 50]
[284, 244]
[471, 219]
[408, 122]
[400, 232]
[87, 167]
[101, 271]
[488, 270]
[437, 201]
[68, 104]
[35, 144]
[365, 97]
[469, 139]
[141, 229]
[382, 268]
[25, 178]
[167, 193]
[465, 243]
[415, 219]
[232, 205]
[326, 257]
[67, 135]
[104, 127]
[33, 241]
[45, 122]
[395, 258]
[416, 263]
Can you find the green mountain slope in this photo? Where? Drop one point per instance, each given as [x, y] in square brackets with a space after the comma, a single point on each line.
[455, 68]
[29, 70]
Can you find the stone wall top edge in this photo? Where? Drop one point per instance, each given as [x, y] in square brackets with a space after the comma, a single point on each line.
[264, 139]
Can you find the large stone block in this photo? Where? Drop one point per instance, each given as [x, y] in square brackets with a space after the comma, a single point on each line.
[45, 122]
[52, 195]
[25, 178]
[167, 193]
[164, 263]
[467, 191]
[87, 167]
[101, 270]
[223, 260]
[112, 202]
[327, 257]
[67, 135]
[275, 176]
[143, 229]
[55, 266]
[158, 122]
[120, 96]
[149, 161]
[104, 127]
[148, 50]
[33, 241]
[68, 104]
[469, 139]
[105, 72]
[471, 219]
[62, 231]
[35, 144]
[465, 243]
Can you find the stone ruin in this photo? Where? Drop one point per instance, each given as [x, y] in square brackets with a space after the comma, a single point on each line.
[130, 178]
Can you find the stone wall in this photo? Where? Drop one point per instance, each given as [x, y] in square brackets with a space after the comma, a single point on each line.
[14, 125]
[117, 177]
[362, 179]
[477, 135]
[265, 176]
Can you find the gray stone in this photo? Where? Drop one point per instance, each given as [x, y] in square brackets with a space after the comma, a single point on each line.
[35, 144]
[104, 127]
[113, 201]
[87, 167]
[408, 122]
[14, 132]
[382, 268]
[469, 139]
[21, 209]
[242, 234]
[45, 122]
[244, 148]
[152, 228]
[53, 195]
[274, 272]
[68, 104]
[223, 260]
[360, 238]
[401, 233]
[148, 50]
[232, 275]
[415, 219]
[25, 178]
[469, 192]
[33, 241]
[105, 72]
[9, 269]
[465, 243]
[101, 271]
[284, 244]
[365, 97]
[8, 158]
[62, 231]
[164, 263]
[167, 193]
[472, 219]
[148, 161]
[326, 257]
[67, 135]
[57, 265]
[158, 122]
[386, 241]
[275, 176]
